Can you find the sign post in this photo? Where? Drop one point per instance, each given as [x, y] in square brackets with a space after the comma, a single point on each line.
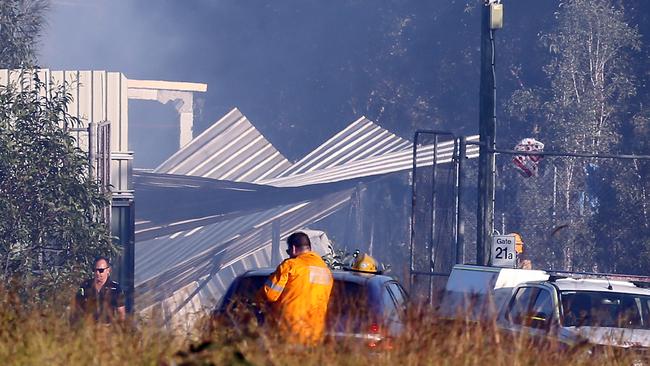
[503, 253]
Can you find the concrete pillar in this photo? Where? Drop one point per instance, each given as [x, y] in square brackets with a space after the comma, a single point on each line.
[183, 102]
[180, 93]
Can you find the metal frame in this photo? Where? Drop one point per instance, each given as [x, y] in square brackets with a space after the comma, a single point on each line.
[563, 154]
[458, 155]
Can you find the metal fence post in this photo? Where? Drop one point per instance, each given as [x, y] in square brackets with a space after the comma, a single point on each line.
[92, 149]
[460, 222]
[413, 200]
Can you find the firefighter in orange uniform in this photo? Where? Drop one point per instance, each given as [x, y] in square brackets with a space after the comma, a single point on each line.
[299, 292]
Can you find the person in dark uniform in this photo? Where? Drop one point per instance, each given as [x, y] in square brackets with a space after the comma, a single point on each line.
[100, 298]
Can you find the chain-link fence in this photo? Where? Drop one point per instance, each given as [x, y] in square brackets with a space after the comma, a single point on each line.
[577, 212]
[434, 229]
[574, 211]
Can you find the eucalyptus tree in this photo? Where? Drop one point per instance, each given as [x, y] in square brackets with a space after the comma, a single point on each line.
[21, 23]
[584, 107]
[51, 222]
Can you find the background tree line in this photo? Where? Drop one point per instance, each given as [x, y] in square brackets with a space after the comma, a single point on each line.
[585, 214]
[579, 86]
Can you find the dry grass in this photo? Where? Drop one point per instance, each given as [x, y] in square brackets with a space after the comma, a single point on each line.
[39, 336]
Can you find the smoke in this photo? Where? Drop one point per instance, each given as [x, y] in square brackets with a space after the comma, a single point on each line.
[300, 70]
[274, 62]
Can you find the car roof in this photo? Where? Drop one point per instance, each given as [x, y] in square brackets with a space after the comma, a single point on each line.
[339, 275]
[601, 285]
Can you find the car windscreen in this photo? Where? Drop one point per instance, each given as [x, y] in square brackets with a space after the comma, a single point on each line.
[605, 309]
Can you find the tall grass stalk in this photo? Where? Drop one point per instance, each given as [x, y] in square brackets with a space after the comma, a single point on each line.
[38, 335]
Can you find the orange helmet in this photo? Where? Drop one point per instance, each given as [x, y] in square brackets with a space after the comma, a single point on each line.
[519, 243]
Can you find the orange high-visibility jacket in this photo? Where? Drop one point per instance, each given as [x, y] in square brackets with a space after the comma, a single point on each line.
[299, 291]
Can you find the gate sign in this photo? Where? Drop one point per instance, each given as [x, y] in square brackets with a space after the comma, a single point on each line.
[503, 251]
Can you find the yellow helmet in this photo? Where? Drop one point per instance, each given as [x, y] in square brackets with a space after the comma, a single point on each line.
[365, 263]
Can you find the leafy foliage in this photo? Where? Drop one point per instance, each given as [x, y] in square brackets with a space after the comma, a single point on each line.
[21, 22]
[51, 225]
[571, 211]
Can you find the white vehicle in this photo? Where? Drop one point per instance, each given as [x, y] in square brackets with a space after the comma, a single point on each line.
[572, 308]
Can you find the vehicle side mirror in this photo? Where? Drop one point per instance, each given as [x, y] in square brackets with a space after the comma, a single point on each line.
[539, 321]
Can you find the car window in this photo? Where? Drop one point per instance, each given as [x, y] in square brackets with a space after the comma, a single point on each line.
[644, 304]
[388, 303]
[542, 310]
[398, 295]
[604, 309]
[248, 287]
[348, 304]
[237, 305]
[348, 308]
[521, 304]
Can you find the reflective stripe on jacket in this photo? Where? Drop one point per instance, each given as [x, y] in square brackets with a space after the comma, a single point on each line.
[299, 290]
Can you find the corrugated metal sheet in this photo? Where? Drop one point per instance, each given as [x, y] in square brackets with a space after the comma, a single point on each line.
[362, 139]
[376, 165]
[215, 253]
[199, 201]
[231, 149]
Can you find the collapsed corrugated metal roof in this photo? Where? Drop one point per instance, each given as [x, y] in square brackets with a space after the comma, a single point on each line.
[389, 162]
[362, 139]
[220, 225]
[203, 253]
[203, 201]
[231, 149]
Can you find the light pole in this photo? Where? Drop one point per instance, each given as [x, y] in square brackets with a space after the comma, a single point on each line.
[491, 20]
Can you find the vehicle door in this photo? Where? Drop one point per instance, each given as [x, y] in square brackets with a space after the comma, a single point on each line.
[532, 312]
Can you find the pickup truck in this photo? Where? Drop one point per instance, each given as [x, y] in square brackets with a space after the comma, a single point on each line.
[571, 308]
